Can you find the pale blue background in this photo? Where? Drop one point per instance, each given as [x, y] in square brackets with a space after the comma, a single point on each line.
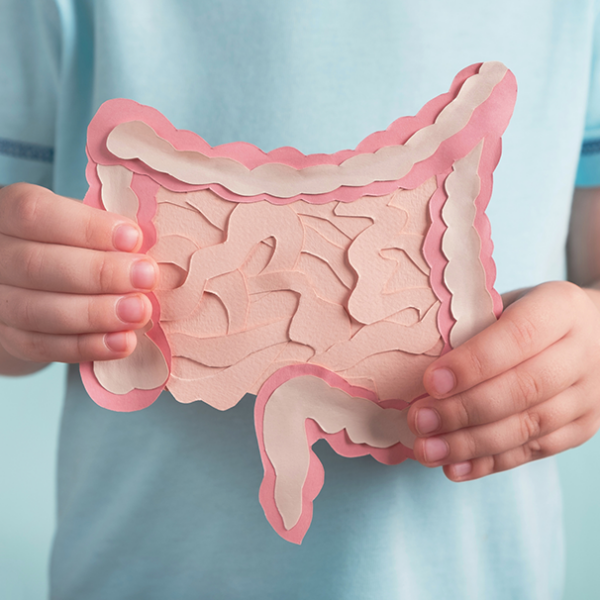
[29, 421]
[294, 97]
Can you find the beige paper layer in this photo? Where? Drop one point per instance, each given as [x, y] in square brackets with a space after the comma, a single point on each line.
[117, 195]
[334, 410]
[136, 140]
[145, 369]
[471, 304]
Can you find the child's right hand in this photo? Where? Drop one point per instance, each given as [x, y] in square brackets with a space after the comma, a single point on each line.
[71, 286]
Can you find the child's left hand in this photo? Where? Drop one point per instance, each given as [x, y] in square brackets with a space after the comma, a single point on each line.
[525, 388]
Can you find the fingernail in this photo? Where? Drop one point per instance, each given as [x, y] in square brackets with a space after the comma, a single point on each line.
[462, 469]
[443, 381]
[143, 275]
[435, 449]
[126, 238]
[428, 420]
[117, 341]
[131, 309]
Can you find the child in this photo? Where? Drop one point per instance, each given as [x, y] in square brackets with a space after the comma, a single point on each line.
[162, 503]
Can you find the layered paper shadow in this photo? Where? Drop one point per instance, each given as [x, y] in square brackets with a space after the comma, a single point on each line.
[325, 284]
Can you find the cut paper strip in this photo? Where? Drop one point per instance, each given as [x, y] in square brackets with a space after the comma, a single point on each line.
[117, 195]
[296, 407]
[462, 247]
[333, 409]
[325, 283]
[174, 249]
[136, 140]
[384, 336]
[145, 369]
[137, 398]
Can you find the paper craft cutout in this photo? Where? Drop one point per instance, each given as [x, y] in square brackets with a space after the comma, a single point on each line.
[145, 369]
[333, 407]
[325, 284]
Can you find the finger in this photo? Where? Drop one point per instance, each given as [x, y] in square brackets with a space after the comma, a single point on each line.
[509, 298]
[34, 213]
[544, 376]
[502, 436]
[44, 347]
[63, 314]
[570, 436]
[531, 324]
[54, 268]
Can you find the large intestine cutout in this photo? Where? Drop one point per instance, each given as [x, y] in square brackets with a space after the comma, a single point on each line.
[325, 284]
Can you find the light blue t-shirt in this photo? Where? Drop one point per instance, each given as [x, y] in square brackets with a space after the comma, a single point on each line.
[163, 503]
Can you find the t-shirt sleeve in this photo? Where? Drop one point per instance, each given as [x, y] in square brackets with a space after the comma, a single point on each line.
[588, 172]
[29, 75]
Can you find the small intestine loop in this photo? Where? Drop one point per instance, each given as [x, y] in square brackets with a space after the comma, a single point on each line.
[302, 329]
[213, 261]
[368, 302]
[384, 336]
[232, 291]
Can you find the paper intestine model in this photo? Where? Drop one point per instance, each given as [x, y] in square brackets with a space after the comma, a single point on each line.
[325, 284]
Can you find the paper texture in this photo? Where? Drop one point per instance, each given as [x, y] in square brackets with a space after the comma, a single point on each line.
[325, 284]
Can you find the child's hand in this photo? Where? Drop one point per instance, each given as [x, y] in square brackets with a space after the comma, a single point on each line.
[525, 388]
[71, 287]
